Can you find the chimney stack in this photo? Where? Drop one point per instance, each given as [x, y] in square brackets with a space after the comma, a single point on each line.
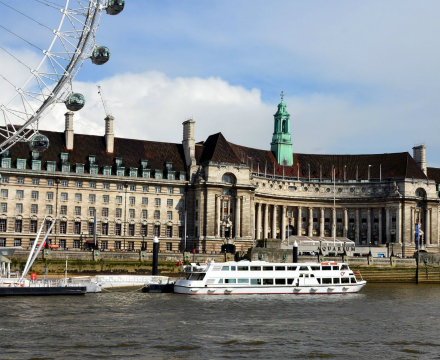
[109, 135]
[419, 155]
[189, 146]
[68, 132]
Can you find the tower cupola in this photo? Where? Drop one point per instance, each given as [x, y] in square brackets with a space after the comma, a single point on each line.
[281, 144]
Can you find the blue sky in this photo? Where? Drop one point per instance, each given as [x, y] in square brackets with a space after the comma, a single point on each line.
[359, 77]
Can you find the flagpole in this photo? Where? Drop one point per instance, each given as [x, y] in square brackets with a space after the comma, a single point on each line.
[94, 229]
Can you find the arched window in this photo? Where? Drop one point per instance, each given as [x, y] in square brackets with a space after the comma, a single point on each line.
[228, 179]
[420, 192]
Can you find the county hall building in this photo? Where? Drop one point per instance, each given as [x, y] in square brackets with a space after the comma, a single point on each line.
[201, 195]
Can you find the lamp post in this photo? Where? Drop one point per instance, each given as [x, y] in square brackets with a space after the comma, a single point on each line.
[143, 242]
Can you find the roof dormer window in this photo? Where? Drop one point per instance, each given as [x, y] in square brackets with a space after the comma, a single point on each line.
[144, 163]
[118, 161]
[169, 165]
[133, 172]
[92, 159]
[64, 157]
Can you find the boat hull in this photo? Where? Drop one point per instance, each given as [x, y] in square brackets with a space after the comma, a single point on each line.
[42, 291]
[249, 290]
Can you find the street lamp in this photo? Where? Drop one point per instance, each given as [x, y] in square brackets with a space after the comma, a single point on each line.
[143, 242]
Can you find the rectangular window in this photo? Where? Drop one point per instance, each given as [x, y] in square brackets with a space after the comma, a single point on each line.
[50, 182]
[158, 189]
[78, 210]
[118, 212]
[76, 244]
[4, 193]
[50, 166]
[79, 184]
[144, 214]
[91, 228]
[79, 168]
[49, 209]
[118, 186]
[157, 202]
[156, 230]
[91, 211]
[78, 197]
[18, 208]
[131, 230]
[104, 244]
[77, 227]
[131, 213]
[65, 183]
[2, 225]
[18, 226]
[117, 245]
[34, 195]
[5, 180]
[63, 210]
[35, 181]
[64, 156]
[118, 229]
[131, 200]
[146, 173]
[133, 172]
[169, 215]
[169, 202]
[21, 164]
[105, 212]
[132, 187]
[92, 185]
[93, 169]
[63, 227]
[144, 230]
[144, 201]
[49, 195]
[33, 227]
[36, 165]
[170, 190]
[169, 245]
[145, 188]
[64, 196]
[105, 199]
[4, 207]
[118, 199]
[120, 171]
[62, 244]
[17, 242]
[92, 198]
[34, 209]
[158, 174]
[156, 214]
[106, 186]
[104, 229]
[169, 232]
[20, 180]
[65, 168]
[107, 170]
[6, 163]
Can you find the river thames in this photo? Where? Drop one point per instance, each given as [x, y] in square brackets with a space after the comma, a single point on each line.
[383, 320]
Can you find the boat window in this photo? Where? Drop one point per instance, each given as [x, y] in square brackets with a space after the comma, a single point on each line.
[345, 280]
[280, 268]
[280, 281]
[336, 267]
[220, 281]
[335, 280]
[290, 281]
[243, 268]
[303, 268]
[230, 281]
[255, 268]
[255, 281]
[267, 281]
[326, 268]
[353, 280]
[319, 281]
[201, 276]
[243, 281]
[225, 268]
[315, 267]
[326, 280]
[188, 276]
[233, 268]
[344, 267]
[291, 268]
[267, 268]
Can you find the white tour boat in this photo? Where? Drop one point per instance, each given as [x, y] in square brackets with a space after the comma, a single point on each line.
[261, 277]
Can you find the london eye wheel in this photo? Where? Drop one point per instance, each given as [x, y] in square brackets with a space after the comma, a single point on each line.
[45, 43]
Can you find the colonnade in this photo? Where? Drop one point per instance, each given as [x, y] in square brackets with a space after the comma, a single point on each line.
[228, 216]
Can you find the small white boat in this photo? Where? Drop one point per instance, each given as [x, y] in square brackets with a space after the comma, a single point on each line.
[261, 277]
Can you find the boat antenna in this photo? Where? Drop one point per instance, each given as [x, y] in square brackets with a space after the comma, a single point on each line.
[334, 205]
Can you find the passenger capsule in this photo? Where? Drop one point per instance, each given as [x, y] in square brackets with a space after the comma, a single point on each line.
[39, 143]
[100, 55]
[75, 102]
[114, 7]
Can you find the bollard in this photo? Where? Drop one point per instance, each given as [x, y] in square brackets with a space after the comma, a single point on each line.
[155, 254]
[295, 252]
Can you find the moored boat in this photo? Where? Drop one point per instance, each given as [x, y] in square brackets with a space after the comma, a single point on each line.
[261, 277]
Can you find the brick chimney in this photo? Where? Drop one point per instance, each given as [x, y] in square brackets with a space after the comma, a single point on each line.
[68, 132]
[109, 135]
[189, 143]
[419, 155]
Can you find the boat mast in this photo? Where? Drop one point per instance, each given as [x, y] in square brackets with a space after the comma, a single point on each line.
[334, 205]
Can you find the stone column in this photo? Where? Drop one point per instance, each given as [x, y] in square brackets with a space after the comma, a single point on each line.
[299, 222]
[237, 218]
[398, 224]
[265, 221]
[380, 226]
[345, 222]
[427, 226]
[274, 222]
[357, 227]
[387, 225]
[283, 223]
[258, 232]
[333, 222]
[321, 223]
[310, 229]
[368, 225]
[413, 224]
[217, 207]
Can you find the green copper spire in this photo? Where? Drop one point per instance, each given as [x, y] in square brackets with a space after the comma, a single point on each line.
[281, 144]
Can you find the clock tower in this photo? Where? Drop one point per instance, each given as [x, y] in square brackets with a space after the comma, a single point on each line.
[281, 144]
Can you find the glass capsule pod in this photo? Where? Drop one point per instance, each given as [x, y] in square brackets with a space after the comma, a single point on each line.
[114, 7]
[39, 143]
[100, 55]
[75, 102]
